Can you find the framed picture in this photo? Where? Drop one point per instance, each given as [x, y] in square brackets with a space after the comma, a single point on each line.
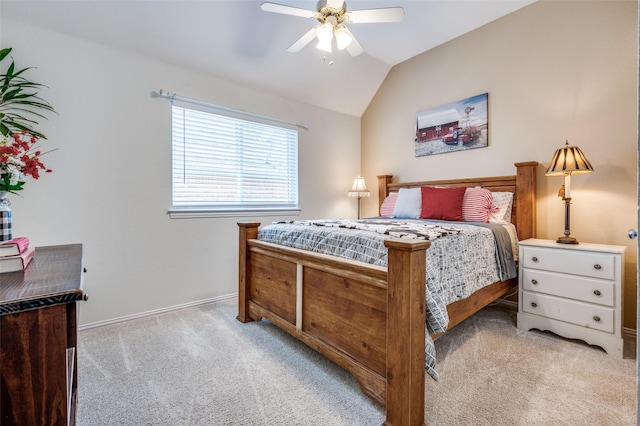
[452, 127]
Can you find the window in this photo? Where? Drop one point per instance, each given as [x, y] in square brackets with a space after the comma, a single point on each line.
[226, 163]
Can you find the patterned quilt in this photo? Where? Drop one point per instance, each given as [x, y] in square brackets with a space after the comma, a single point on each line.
[463, 257]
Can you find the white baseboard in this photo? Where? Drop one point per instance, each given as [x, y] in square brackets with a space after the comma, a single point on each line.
[156, 311]
[629, 334]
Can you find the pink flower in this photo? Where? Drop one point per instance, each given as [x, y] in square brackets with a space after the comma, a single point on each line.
[19, 159]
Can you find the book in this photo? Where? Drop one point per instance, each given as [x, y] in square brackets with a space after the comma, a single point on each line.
[14, 246]
[18, 262]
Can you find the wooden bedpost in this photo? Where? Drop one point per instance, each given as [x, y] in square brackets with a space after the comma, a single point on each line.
[526, 199]
[383, 190]
[406, 316]
[248, 230]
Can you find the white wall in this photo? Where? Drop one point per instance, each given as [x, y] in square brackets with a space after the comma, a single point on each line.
[111, 184]
[554, 70]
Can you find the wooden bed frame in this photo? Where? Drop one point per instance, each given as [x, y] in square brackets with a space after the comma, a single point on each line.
[368, 319]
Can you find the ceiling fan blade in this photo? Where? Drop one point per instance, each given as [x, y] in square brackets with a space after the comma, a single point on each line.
[365, 16]
[354, 48]
[287, 10]
[303, 41]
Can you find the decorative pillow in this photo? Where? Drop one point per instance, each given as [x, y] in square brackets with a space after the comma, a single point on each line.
[477, 205]
[388, 205]
[408, 204]
[503, 201]
[442, 203]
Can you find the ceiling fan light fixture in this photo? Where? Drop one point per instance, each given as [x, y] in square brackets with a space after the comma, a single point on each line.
[331, 14]
[324, 45]
[324, 33]
[343, 39]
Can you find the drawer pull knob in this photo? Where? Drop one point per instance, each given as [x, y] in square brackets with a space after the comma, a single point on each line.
[534, 304]
[535, 259]
[597, 267]
[596, 318]
[597, 292]
[534, 282]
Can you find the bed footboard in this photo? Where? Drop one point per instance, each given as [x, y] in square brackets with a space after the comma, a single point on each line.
[367, 319]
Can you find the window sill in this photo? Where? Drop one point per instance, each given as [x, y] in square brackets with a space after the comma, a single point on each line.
[195, 213]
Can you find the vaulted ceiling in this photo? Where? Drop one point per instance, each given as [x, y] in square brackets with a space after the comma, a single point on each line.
[236, 40]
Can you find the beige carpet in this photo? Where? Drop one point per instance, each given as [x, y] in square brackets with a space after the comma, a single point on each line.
[199, 366]
[492, 373]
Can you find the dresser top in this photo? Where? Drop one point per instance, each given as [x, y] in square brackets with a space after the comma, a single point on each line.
[54, 276]
[603, 248]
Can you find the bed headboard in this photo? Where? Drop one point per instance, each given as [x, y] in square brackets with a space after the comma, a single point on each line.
[522, 184]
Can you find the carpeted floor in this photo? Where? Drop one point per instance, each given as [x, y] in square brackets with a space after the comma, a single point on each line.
[200, 366]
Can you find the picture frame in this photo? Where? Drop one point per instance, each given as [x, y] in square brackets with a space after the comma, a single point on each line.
[452, 127]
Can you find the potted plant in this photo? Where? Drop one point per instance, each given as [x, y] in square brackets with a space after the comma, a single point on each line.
[20, 105]
[20, 108]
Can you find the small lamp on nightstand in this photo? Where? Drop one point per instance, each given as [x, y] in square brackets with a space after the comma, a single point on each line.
[567, 161]
[359, 190]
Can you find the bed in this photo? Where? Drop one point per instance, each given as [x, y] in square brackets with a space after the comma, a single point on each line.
[369, 319]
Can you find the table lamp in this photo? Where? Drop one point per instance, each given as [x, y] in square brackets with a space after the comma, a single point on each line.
[359, 190]
[567, 161]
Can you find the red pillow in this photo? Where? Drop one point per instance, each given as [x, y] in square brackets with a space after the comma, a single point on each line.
[442, 203]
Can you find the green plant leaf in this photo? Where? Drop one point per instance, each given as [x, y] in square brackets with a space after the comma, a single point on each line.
[20, 105]
[10, 70]
[4, 52]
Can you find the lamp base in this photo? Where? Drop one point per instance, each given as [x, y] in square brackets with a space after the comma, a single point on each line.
[567, 240]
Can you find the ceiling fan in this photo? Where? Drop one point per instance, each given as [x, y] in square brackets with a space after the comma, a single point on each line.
[332, 16]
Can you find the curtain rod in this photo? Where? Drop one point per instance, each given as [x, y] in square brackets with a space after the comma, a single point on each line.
[164, 94]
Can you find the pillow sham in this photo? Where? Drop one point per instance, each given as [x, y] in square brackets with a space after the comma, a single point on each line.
[477, 205]
[442, 203]
[503, 201]
[408, 204]
[388, 205]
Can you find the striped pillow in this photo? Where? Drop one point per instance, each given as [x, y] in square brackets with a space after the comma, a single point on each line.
[389, 203]
[477, 205]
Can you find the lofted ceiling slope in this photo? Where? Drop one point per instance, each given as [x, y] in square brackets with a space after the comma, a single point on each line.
[236, 40]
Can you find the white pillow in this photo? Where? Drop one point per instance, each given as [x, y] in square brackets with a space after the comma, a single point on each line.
[503, 201]
[408, 204]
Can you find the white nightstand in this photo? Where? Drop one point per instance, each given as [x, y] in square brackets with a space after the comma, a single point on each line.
[572, 290]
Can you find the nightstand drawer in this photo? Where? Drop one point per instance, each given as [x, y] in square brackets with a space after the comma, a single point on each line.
[597, 265]
[579, 313]
[570, 286]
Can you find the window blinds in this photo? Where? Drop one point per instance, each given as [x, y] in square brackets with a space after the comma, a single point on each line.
[225, 162]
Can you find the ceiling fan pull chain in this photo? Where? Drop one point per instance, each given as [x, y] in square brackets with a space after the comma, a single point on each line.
[324, 58]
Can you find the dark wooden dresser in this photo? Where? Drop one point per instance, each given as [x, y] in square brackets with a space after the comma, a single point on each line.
[38, 338]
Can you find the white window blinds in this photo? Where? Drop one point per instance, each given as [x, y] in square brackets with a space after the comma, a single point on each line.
[223, 162]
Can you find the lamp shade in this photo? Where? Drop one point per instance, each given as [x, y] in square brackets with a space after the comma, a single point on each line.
[324, 33]
[359, 189]
[568, 160]
[343, 39]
